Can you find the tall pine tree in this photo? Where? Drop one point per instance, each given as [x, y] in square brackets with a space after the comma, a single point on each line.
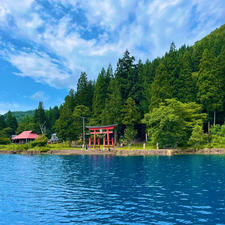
[209, 84]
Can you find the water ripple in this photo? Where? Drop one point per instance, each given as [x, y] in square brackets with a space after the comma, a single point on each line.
[112, 190]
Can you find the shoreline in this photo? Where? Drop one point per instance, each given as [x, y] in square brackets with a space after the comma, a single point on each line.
[120, 152]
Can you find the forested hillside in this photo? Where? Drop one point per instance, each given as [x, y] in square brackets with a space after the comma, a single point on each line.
[173, 98]
[20, 114]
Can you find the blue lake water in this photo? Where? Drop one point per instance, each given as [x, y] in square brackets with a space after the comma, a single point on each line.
[112, 190]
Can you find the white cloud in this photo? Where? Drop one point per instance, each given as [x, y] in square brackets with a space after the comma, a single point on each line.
[146, 28]
[41, 67]
[39, 96]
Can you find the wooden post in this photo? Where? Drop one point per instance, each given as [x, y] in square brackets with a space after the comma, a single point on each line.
[98, 143]
[112, 142]
[94, 139]
[108, 137]
[104, 142]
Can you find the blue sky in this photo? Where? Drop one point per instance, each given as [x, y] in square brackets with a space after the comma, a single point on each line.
[45, 44]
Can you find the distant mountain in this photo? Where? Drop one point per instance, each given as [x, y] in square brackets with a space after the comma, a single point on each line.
[20, 114]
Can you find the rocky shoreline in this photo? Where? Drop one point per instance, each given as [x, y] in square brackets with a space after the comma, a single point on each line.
[119, 152]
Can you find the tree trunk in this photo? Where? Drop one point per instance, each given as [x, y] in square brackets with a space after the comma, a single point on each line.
[214, 121]
[208, 127]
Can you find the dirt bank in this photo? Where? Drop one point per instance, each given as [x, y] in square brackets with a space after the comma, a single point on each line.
[119, 152]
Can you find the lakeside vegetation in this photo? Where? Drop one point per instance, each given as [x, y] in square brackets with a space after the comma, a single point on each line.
[178, 100]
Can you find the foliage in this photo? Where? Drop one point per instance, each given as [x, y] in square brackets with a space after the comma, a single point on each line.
[160, 88]
[40, 119]
[217, 136]
[11, 122]
[2, 122]
[80, 112]
[64, 126]
[6, 132]
[112, 111]
[20, 115]
[26, 124]
[85, 90]
[172, 123]
[129, 134]
[40, 142]
[198, 138]
[131, 116]
[209, 84]
[100, 91]
[4, 141]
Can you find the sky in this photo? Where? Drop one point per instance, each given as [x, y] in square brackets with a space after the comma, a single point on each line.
[46, 44]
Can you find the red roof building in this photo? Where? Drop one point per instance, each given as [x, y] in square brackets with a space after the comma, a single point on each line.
[25, 137]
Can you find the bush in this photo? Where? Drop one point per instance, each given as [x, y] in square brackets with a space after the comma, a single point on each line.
[129, 134]
[4, 141]
[217, 136]
[40, 142]
[198, 138]
[16, 147]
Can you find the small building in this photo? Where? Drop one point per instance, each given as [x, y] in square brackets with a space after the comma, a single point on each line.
[25, 137]
[54, 138]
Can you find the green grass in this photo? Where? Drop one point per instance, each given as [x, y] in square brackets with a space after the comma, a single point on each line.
[137, 146]
[66, 146]
[28, 147]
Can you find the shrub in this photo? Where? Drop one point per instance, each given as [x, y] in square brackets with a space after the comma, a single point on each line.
[40, 142]
[4, 141]
[217, 136]
[198, 138]
[129, 134]
[17, 147]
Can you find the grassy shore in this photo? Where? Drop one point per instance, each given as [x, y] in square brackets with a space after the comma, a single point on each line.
[133, 150]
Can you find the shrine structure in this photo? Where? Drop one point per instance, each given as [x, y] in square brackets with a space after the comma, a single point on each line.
[106, 132]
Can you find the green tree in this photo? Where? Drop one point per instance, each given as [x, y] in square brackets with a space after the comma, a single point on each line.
[80, 112]
[85, 90]
[209, 85]
[2, 122]
[185, 84]
[6, 132]
[100, 93]
[197, 138]
[171, 124]
[52, 115]
[217, 134]
[70, 100]
[126, 74]
[160, 88]
[26, 124]
[131, 116]
[113, 105]
[130, 134]
[40, 119]
[11, 122]
[64, 126]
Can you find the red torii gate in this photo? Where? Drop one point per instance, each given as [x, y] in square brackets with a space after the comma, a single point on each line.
[105, 130]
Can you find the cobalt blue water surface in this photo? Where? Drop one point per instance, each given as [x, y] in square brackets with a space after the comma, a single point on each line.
[112, 190]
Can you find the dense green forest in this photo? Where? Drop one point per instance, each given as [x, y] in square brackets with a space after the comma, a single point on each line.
[178, 100]
[20, 114]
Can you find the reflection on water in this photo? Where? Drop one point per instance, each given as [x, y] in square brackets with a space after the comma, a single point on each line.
[112, 190]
